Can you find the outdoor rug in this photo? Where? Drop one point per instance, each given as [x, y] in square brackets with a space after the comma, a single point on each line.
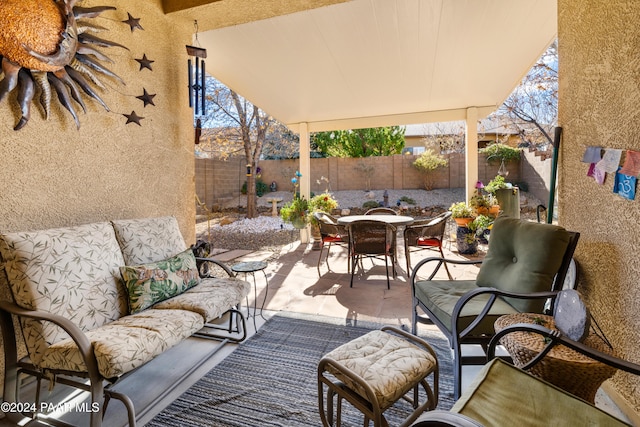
[270, 379]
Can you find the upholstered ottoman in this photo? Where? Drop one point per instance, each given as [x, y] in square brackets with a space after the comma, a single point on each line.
[374, 371]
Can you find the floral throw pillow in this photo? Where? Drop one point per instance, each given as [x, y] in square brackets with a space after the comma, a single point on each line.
[151, 283]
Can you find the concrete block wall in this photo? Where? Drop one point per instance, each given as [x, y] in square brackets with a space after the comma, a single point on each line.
[218, 181]
[536, 172]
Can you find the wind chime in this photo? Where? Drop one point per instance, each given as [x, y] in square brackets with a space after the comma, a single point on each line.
[197, 75]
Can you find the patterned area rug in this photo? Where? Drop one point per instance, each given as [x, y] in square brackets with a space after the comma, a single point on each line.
[270, 380]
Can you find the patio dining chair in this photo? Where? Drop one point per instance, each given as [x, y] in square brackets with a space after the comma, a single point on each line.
[381, 211]
[331, 233]
[372, 239]
[426, 234]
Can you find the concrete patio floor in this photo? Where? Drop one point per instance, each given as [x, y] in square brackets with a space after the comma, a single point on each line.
[296, 286]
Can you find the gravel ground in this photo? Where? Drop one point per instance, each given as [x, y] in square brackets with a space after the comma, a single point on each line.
[355, 198]
[230, 230]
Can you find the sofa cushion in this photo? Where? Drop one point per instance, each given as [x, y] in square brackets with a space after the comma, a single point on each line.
[127, 343]
[502, 395]
[71, 271]
[150, 283]
[148, 240]
[523, 257]
[211, 298]
[441, 296]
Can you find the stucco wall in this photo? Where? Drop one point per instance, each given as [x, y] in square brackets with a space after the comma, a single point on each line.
[53, 175]
[599, 98]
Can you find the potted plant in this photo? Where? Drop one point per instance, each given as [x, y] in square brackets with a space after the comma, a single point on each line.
[484, 204]
[296, 212]
[462, 213]
[507, 196]
[319, 203]
[466, 239]
[496, 184]
[482, 226]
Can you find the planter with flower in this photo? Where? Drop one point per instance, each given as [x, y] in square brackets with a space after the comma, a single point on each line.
[484, 203]
[482, 225]
[506, 195]
[296, 212]
[462, 213]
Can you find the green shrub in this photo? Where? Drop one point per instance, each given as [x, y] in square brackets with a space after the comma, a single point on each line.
[427, 163]
[408, 200]
[370, 204]
[500, 152]
[261, 187]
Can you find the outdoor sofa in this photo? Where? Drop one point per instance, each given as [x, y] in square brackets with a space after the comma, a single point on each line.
[80, 320]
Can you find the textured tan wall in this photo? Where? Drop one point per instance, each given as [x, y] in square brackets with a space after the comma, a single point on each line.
[54, 175]
[599, 98]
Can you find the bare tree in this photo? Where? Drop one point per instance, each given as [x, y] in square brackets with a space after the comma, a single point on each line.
[235, 125]
[533, 106]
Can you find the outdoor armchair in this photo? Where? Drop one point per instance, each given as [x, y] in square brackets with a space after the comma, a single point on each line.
[504, 395]
[525, 266]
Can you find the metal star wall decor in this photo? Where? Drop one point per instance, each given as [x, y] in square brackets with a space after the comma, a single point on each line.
[145, 62]
[134, 23]
[133, 118]
[147, 98]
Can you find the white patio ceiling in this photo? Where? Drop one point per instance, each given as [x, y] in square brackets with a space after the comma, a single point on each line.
[367, 63]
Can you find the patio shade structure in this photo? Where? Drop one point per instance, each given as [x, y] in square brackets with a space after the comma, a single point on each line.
[369, 63]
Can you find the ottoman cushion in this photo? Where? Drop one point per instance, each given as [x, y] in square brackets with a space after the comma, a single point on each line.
[389, 364]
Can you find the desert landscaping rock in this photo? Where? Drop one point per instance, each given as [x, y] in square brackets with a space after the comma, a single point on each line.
[230, 230]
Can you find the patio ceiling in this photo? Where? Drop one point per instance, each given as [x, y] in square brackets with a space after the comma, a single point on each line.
[366, 63]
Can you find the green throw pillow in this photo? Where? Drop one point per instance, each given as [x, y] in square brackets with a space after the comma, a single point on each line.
[151, 283]
[523, 257]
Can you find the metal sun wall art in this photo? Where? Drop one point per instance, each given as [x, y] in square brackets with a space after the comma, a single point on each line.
[50, 45]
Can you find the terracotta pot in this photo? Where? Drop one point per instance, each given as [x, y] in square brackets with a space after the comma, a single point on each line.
[463, 222]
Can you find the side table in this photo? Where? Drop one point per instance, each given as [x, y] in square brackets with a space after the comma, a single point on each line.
[250, 267]
[562, 366]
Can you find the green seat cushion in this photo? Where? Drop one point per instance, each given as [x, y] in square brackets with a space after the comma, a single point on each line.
[441, 296]
[523, 257]
[503, 395]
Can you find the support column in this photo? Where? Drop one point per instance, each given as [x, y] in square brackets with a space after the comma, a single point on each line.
[471, 152]
[305, 170]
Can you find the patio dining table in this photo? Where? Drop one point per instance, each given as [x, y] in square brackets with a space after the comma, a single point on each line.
[396, 220]
[389, 219]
